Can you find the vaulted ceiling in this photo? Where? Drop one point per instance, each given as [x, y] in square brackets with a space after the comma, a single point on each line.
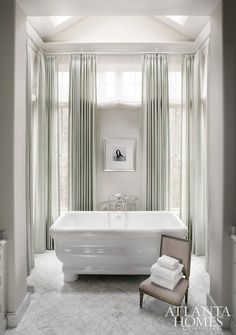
[114, 7]
[66, 20]
[86, 28]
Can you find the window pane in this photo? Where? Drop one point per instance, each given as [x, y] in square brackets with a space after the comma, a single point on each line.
[63, 92]
[175, 90]
[131, 87]
[175, 158]
[110, 78]
[129, 78]
[63, 87]
[175, 102]
[63, 157]
[119, 79]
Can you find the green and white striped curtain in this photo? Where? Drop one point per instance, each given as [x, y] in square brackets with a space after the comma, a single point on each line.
[82, 109]
[29, 165]
[45, 184]
[194, 201]
[187, 164]
[53, 158]
[41, 161]
[156, 130]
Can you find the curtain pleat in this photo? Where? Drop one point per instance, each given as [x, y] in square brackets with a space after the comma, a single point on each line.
[82, 108]
[46, 155]
[29, 167]
[41, 161]
[194, 150]
[52, 160]
[187, 164]
[200, 152]
[156, 124]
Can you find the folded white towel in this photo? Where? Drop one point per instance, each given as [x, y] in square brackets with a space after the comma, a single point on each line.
[165, 273]
[168, 262]
[169, 284]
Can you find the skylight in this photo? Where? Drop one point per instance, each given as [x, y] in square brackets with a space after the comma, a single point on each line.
[57, 20]
[178, 19]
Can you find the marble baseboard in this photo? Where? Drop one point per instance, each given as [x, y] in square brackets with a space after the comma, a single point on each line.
[3, 326]
[226, 319]
[233, 326]
[13, 319]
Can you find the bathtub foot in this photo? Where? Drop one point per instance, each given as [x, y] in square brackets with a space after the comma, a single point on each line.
[68, 277]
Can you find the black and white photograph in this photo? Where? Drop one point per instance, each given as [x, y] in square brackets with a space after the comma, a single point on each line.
[119, 154]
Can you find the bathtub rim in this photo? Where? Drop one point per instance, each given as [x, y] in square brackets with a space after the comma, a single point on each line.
[56, 230]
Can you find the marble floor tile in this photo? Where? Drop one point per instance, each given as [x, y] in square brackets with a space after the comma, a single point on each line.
[102, 305]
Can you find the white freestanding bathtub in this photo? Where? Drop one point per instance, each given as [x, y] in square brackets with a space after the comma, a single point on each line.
[111, 242]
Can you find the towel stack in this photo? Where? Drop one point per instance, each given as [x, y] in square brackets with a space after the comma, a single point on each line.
[166, 272]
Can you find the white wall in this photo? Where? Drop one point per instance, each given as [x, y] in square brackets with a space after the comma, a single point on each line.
[7, 136]
[216, 143]
[229, 80]
[119, 122]
[222, 150]
[115, 29]
[19, 155]
[12, 146]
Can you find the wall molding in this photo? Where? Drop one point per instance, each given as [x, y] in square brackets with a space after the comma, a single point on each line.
[13, 318]
[202, 37]
[34, 36]
[175, 47]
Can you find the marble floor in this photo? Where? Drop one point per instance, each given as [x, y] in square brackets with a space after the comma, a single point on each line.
[101, 305]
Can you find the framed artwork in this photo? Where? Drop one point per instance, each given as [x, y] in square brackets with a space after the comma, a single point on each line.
[119, 154]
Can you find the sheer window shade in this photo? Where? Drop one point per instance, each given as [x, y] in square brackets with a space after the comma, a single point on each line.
[175, 63]
[63, 120]
[119, 80]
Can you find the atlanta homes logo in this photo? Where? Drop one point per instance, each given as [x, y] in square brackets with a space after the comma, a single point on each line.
[200, 318]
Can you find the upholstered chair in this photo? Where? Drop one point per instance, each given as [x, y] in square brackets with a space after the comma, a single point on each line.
[180, 249]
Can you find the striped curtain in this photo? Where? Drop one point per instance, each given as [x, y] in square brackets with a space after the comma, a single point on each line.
[156, 130]
[29, 165]
[82, 108]
[194, 200]
[46, 204]
[187, 164]
[53, 161]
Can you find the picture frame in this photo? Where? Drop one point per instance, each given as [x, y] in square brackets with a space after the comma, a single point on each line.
[119, 154]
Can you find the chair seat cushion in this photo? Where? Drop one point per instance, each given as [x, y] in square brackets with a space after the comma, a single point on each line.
[174, 297]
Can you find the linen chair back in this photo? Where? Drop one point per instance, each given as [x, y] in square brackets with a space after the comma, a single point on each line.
[178, 248]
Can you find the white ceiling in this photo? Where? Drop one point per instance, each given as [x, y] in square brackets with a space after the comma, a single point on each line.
[192, 26]
[117, 7]
[45, 28]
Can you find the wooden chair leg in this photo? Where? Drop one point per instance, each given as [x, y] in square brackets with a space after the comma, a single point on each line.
[186, 298]
[178, 313]
[141, 299]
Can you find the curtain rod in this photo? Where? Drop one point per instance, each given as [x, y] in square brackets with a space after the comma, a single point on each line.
[116, 53]
[206, 40]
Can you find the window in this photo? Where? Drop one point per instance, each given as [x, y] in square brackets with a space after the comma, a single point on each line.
[63, 123]
[175, 157]
[119, 79]
[175, 115]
